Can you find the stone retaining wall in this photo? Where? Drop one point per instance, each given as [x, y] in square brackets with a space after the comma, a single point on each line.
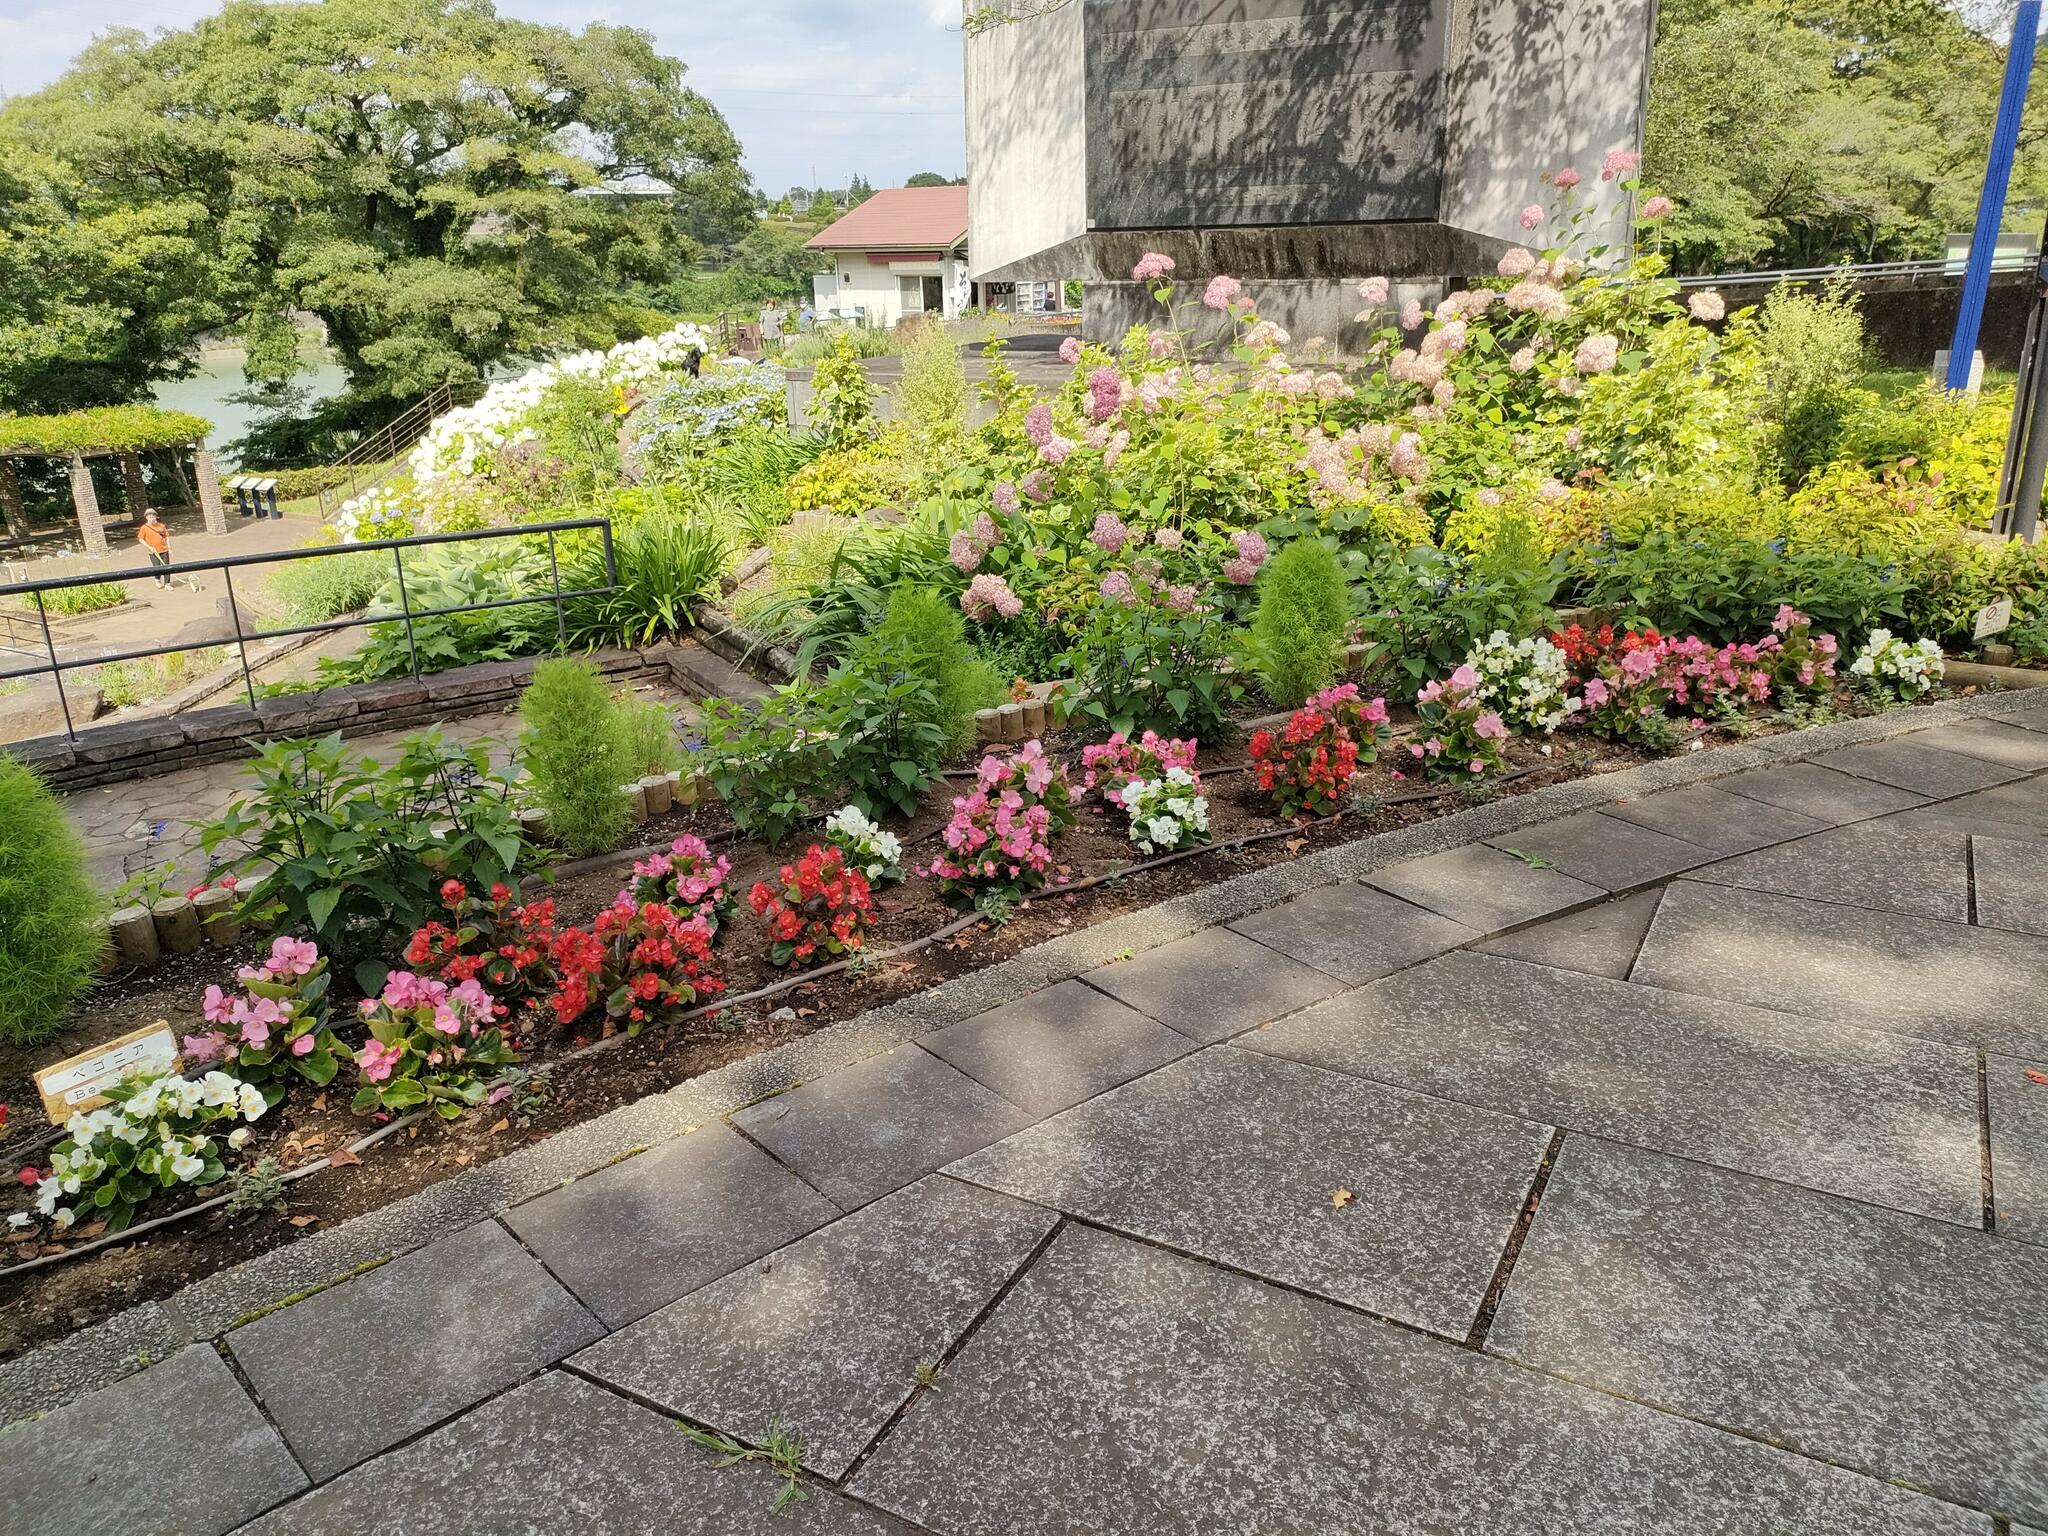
[115, 751]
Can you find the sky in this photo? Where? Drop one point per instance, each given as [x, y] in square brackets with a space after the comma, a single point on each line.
[817, 90]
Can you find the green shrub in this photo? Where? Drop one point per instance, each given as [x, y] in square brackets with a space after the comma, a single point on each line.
[351, 853]
[51, 933]
[646, 733]
[931, 397]
[924, 633]
[314, 591]
[1298, 629]
[842, 397]
[1423, 610]
[95, 597]
[1727, 588]
[667, 563]
[764, 763]
[571, 748]
[449, 577]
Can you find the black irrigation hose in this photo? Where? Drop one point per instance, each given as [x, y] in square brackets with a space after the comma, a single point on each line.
[773, 990]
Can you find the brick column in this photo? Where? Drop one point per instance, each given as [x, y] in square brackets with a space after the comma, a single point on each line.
[87, 504]
[131, 483]
[209, 488]
[11, 510]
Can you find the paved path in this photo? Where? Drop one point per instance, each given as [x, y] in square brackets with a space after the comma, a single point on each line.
[1671, 1166]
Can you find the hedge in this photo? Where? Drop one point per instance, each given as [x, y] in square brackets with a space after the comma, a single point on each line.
[120, 428]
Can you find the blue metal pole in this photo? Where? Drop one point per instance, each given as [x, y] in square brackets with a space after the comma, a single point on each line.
[2019, 64]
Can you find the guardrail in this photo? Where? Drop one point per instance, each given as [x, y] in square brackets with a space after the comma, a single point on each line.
[1933, 266]
[227, 565]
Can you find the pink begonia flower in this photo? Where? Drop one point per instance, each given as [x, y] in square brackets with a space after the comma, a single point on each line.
[1566, 179]
[206, 1047]
[1490, 727]
[1523, 360]
[1221, 291]
[1657, 208]
[292, 957]
[215, 1006]
[303, 1046]
[1532, 216]
[1005, 498]
[1619, 162]
[1373, 290]
[1411, 314]
[1597, 354]
[1465, 679]
[1070, 350]
[377, 1059]
[1596, 692]
[1518, 262]
[1151, 267]
[1707, 305]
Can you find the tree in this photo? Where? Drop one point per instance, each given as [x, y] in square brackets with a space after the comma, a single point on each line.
[934, 179]
[824, 206]
[424, 176]
[858, 191]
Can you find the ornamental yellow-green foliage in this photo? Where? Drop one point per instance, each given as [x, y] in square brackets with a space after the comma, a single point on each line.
[843, 397]
[119, 427]
[52, 930]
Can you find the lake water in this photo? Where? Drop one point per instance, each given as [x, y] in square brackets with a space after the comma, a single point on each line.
[220, 375]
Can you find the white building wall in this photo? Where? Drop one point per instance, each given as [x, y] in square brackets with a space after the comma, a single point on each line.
[1027, 170]
[871, 283]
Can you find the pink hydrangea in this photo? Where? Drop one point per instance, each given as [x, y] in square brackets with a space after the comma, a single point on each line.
[1523, 360]
[1070, 350]
[1518, 262]
[1538, 298]
[1005, 497]
[1114, 448]
[1168, 538]
[1116, 586]
[1619, 162]
[1566, 179]
[1037, 486]
[1056, 450]
[988, 596]
[1406, 459]
[1109, 532]
[1038, 424]
[1532, 216]
[1597, 354]
[1221, 291]
[1159, 344]
[1657, 208]
[1707, 305]
[964, 552]
[1151, 267]
[1250, 545]
[1105, 393]
[1411, 314]
[1373, 290]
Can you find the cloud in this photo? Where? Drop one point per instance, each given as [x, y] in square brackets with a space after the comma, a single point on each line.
[818, 91]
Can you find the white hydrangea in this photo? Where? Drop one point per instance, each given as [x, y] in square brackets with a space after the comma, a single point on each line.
[1526, 682]
[877, 854]
[1905, 669]
[1167, 812]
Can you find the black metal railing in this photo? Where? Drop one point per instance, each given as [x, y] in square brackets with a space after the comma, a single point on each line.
[367, 464]
[55, 667]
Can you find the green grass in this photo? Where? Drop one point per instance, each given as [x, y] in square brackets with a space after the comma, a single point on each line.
[66, 602]
[1890, 383]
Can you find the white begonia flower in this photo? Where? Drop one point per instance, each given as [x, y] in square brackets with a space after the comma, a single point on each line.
[46, 1196]
[20, 1219]
[63, 1217]
[187, 1167]
[218, 1089]
[238, 1138]
[252, 1105]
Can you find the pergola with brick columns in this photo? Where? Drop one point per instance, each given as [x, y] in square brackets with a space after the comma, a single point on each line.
[123, 432]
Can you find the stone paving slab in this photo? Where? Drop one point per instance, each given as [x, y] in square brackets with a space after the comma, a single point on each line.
[1597, 941]
[2011, 882]
[176, 1450]
[1883, 1118]
[1821, 793]
[560, 1455]
[880, 1124]
[1605, 850]
[1234, 1156]
[1484, 888]
[636, 1236]
[1353, 932]
[825, 1335]
[1879, 1341]
[2009, 746]
[355, 1369]
[1921, 871]
[1881, 970]
[1904, 762]
[1714, 818]
[2018, 1111]
[2016, 810]
[1057, 1047]
[1121, 1389]
[1213, 984]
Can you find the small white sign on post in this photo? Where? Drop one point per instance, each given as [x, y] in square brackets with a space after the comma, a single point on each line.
[1992, 618]
[80, 1082]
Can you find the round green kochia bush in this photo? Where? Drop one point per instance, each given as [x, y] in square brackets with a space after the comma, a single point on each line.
[571, 748]
[1298, 628]
[52, 930]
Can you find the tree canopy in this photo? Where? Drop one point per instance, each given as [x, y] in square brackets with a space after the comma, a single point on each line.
[439, 185]
[1803, 132]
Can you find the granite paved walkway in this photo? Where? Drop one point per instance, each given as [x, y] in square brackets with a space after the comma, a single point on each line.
[1670, 1165]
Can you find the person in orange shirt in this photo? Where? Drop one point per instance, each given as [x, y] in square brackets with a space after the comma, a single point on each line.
[156, 538]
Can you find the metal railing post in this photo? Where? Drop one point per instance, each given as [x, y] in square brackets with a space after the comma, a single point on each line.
[241, 645]
[412, 649]
[561, 621]
[56, 671]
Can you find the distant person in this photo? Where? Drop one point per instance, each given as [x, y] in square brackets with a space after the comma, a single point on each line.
[771, 327]
[806, 318]
[156, 538]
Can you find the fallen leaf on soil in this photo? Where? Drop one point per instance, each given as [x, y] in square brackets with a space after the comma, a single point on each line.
[90, 1229]
[1294, 845]
[303, 1221]
[500, 1128]
[319, 1102]
[1341, 1198]
[342, 1157]
[2037, 1077]
[463, 1159]
[317, 1139]
[805, 1013]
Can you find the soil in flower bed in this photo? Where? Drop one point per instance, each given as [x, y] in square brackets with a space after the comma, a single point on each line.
[61, 1297]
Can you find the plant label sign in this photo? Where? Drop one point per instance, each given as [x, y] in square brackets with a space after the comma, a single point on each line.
[80, 1082]
[1993, 617]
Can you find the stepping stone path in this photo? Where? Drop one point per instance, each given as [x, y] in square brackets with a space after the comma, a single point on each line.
[1676, 1165]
